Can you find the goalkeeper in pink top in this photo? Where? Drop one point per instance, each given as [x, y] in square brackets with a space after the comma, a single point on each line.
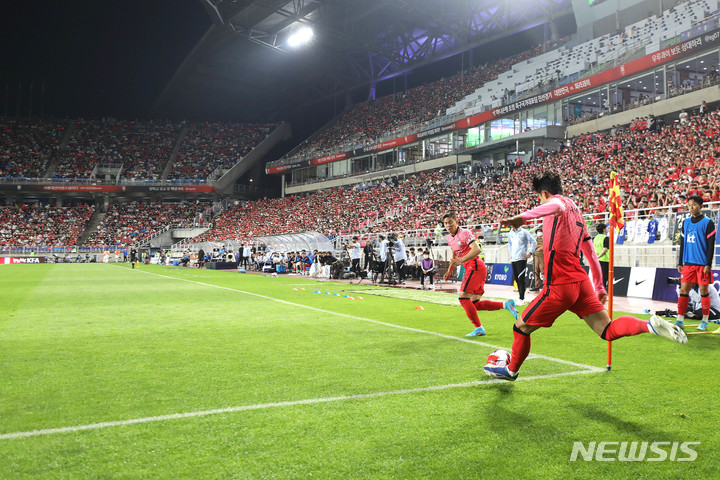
[466, 252]
[567, 286]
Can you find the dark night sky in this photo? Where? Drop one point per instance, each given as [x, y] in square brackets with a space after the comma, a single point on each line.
[100, 58]
[96, 58]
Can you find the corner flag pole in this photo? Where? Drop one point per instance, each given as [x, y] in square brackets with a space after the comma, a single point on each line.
[616, 221]
[611, 276]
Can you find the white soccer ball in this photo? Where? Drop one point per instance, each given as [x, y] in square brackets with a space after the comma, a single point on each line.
[274, 274]
[498, 358]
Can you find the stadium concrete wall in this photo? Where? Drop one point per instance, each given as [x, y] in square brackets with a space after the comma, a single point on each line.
[688, 101]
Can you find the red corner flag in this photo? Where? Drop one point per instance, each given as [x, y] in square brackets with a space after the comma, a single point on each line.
[615, 204]
[616, 221]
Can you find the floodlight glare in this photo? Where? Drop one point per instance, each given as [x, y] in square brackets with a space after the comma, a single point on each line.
[300, 36]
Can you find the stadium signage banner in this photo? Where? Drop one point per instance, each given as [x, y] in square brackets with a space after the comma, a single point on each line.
[74, 188]
[500, 274]
[21, 260]
[702, 42]
[642, 282]
[663, 290]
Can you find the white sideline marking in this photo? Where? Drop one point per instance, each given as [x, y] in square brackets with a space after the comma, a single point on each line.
[93, 426]
[260, 406]
[378, 322]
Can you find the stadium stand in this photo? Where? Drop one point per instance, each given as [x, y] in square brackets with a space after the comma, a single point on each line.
[131, 222]
[657, 164]
[212, 146]
[67, 151]
[38, 225]
[411, 109]
[651, 176]
[26, 147]
[141, 148]
[493, 85]
[568, 63]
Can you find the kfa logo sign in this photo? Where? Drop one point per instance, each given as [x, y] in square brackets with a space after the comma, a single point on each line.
[634, 451]
[28, 260]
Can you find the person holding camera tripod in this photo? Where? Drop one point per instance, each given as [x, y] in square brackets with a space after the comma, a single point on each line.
[466, 252]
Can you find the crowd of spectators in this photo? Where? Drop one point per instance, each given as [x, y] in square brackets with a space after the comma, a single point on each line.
[139, 150]
[128, 223]
[657, 166]
[142, 148]
[26, 147]
[215, 145]
[372, 120]
[40, 225]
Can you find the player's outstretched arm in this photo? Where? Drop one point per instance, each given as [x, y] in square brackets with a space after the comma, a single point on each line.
[515, 221]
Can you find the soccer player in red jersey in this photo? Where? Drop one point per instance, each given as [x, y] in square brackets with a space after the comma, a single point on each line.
[466, 252]
[567, 286]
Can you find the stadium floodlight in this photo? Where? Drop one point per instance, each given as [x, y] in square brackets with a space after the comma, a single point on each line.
[300, 36]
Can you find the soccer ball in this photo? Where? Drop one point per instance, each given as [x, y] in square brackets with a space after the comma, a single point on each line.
[274, 274]
[498, 358]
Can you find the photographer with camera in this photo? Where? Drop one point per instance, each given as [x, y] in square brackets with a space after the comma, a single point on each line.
[694, 309]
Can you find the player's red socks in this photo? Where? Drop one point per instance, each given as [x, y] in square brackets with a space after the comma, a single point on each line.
[683, 301]
[624, 326]
[470, 310]
[705, 302]
[487, 305]
[520, 349]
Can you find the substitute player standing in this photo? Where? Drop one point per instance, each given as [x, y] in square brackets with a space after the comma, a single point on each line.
[465, 252]
[567, 286]
[695, 260]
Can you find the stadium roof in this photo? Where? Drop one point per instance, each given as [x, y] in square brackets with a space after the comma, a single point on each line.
[243, 68]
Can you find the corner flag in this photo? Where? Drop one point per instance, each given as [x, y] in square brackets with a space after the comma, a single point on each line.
[615, 204]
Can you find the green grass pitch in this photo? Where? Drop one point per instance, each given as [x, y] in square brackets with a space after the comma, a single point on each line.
[162, 372]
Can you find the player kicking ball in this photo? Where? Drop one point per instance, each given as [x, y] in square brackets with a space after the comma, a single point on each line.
[466, 252]
[567, 286]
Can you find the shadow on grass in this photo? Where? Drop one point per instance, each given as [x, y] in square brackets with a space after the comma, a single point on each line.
[626, 427]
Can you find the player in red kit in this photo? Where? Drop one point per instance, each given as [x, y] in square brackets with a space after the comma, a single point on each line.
[466, 252]
[567, 286]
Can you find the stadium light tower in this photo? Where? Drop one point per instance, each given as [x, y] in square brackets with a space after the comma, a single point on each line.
[300, 37]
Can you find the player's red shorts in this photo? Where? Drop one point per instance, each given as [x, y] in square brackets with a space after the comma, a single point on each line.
[474, 280]
[554, 300]
[695, 274]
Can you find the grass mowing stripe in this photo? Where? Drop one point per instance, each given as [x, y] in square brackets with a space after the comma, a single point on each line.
[378, 322]
[309, 401]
